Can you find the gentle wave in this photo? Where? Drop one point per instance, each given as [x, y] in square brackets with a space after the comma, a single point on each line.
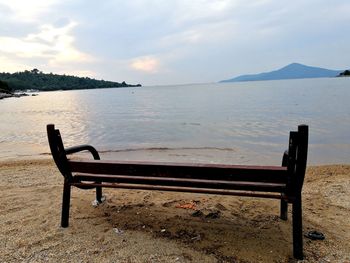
[160, 149]
[167, 149]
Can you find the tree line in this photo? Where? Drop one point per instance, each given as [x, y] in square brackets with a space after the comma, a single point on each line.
[345, 73]
[4, 87]
[37, 80]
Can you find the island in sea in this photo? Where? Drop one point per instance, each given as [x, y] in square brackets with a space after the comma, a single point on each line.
[346, 73]
[291, 71]
[39, 81]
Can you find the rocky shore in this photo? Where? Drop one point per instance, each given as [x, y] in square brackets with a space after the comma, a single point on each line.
[14, 95]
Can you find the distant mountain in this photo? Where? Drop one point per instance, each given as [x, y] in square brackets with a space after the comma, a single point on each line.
[292, 71]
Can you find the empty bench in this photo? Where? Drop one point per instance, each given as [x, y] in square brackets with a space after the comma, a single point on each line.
[276, 182]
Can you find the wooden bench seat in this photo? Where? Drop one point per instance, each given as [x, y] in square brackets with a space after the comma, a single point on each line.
[276, 182]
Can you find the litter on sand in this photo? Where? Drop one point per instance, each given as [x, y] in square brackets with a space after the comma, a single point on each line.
[315, 235]
[190, 205]
[118, 231]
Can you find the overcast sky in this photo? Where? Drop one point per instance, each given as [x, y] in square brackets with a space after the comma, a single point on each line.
[155, 42]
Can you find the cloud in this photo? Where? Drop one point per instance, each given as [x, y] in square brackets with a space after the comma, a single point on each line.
[80, 73]
[154, 42]
[53, 44]
[9, 64]
[145, 64]
[203, 34]
[186, 13]
[28, 11]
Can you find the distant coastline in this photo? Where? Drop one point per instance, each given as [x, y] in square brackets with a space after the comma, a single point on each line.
[39, 81]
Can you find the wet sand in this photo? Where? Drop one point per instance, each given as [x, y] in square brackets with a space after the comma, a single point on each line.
[143, 226]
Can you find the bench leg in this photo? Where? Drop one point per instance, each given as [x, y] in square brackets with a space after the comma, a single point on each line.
[99, 194]
[99, 197]
[284, 210]
[297, 229]
[65, 204]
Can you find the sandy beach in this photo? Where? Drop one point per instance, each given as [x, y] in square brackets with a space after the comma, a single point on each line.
[142, 226]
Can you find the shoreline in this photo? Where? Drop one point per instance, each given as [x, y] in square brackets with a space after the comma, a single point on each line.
[248, 229]
[15, 95]
[12, 150]
[151, 158]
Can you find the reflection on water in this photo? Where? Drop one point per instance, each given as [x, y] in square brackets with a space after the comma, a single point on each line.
[251, 117]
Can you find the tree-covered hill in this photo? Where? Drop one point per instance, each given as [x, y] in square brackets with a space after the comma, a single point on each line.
[4, 87]
[38, 80]
[346, 73]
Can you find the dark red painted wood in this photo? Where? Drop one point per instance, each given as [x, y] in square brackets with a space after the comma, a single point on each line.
[184, 190]
[183, 182]
[273, 174]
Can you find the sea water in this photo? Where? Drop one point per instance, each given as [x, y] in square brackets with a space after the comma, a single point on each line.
[246, 122]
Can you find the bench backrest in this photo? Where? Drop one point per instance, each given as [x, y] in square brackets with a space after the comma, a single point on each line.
[58, 152]
[297, 159]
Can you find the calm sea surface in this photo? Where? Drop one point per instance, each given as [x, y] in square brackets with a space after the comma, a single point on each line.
[239, 122]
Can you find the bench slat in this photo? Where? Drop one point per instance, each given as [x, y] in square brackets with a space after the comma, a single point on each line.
[183, 182]
[184, 189]
[271, 174]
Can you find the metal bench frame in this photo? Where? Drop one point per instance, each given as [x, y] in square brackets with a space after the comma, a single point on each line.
[277, 182]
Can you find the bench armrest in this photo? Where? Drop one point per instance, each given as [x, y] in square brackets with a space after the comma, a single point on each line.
[285, 158]
[85, 147]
